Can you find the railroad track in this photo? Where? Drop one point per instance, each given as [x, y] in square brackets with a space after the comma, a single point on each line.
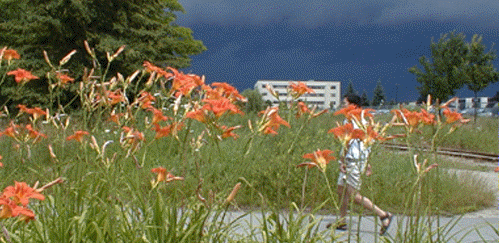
[488, 157]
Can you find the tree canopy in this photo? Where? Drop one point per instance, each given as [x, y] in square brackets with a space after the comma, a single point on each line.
[440, 75]
[378, 95]
[146, 28]
[455, 63]
[350, 89]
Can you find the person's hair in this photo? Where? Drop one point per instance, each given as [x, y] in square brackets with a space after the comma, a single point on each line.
[354, 99]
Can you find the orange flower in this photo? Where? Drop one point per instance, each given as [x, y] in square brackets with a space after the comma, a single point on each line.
[145, 100]
[427, 118]
[21, 193]
[354, 112]
[36, 112]
[165, 176]
[150, 68]
[10, 54]
[452, 116]
[299, 89]
[319, 159]
[345, 111]
[185, 83]
[12, 131]
[158, 115]
[132, 139]
[34, 134]
[346, 133]
[198, 115]
[115, 117]
[115, 97]
[21, 75]
[228, 91]
[227, 132]
[161, 173]
[78, 136]
[64, 78]
[165, 131]
[11, 209]
[272, 121]
[220, 106]
[302, 109]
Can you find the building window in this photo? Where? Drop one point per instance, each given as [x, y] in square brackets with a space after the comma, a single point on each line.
[333, 86]
[333, 95]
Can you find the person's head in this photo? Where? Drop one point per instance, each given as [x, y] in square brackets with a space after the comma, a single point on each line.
[352, 99]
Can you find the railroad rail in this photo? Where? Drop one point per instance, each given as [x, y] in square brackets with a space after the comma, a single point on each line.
[489, 157]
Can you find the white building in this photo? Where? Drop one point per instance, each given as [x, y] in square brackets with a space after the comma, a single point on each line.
[467, 103]
[327, 93]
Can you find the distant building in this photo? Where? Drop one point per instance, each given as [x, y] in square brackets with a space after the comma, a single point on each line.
[468, 103]
[327, 93]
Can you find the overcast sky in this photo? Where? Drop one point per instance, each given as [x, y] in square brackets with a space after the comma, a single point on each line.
[362, 41]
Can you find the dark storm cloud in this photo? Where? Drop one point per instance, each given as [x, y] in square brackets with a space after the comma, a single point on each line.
[313, 13]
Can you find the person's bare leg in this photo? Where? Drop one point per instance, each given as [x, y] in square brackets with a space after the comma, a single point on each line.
[365, 202]
[343, 196]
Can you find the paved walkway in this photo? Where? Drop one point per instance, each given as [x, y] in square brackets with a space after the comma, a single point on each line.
[454, 229]
[480, 226]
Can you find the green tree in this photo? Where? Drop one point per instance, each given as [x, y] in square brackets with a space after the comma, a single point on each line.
[255, 101]
[440, 76]
[350, 89]
[478, 70]
[363, 99]
[378, 95]
[146, 28]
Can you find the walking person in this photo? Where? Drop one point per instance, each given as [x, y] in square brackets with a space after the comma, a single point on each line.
[349, 181]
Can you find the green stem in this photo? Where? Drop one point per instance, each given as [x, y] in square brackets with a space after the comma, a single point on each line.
[297, 135]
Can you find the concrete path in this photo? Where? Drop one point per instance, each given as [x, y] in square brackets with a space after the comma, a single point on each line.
[454, 229]
[480, 226]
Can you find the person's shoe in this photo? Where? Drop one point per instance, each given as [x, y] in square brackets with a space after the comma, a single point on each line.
[384, 226]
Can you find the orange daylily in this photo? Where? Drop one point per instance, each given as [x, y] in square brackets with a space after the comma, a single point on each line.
[11, 131]
[145, 100]
[228, 91]
[227, 131]
[78, 136]
[427, 118]
[132, 137]
[10, 54]
[159, 71]
[11, 209]
[452, 116]
[165, 131]
[21, 193]
[157, 115]
[318, 159]
[198, 115]
[299, 89]
[64, 78]
[115, 117]
[185, 83]
[272, 121]
[22, 76]
[220, 106]
[346, 133]
[36, 112]
[165, 176]
[115, 97]
[302, 109]
[354, 112]
[34, 134]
